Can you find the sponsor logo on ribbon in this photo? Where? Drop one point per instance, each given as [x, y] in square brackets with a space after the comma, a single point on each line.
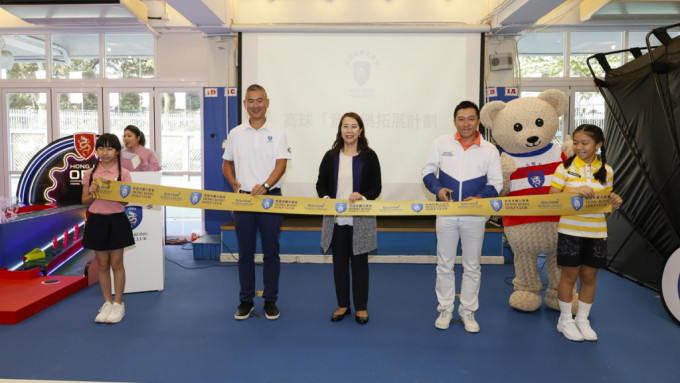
[135, 215]
[124, 190]
[196, 197]
[536, 178]
[340, 207]
[555, 204]
[267, 203]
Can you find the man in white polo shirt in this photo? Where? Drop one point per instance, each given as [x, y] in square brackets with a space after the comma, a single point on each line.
[254, 161]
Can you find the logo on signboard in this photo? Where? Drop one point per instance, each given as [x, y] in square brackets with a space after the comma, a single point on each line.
[340, 207]
[195, 197]
[124, 191]
[536, 178]
[496, 204]
[267, 203]
[577, 202]
[134, 214]
[84, 144]
[417, 207]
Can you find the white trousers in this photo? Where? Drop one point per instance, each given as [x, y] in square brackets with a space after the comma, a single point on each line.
[471, 235]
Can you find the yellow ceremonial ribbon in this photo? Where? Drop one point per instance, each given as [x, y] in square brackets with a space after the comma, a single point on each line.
[544, 204]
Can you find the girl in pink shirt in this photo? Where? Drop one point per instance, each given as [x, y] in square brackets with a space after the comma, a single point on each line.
[135, 157]
[108, 230]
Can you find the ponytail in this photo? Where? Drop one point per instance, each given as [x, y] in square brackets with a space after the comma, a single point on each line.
[93, 170]
[601, 174]
[120, 172]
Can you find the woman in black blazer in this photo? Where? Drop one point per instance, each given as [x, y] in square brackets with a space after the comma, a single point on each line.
[350, 170]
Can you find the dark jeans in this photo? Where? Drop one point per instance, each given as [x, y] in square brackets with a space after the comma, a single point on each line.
[342, 253]
[247, 225]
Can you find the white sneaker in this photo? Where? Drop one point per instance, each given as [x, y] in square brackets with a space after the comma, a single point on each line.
[568, 328]
[117, 313]
[470, 323]
[104, 312]
[444, 320]
[586, 331]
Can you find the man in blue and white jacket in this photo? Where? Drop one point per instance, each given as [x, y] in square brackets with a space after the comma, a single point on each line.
[460, 167]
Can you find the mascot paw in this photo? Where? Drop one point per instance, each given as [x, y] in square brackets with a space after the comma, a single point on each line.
[551, 301]
[568, 146]
[525, 301]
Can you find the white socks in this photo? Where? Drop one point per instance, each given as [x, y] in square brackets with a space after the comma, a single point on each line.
[583, 311]
[565, 309]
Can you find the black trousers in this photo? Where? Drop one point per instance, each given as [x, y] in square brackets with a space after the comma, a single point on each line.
[342, 254]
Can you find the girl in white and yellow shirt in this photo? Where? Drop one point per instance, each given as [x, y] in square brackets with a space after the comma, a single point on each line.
[582, 239]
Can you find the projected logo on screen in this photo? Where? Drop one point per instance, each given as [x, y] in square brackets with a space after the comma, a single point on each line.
[362, 64]
[362, 71]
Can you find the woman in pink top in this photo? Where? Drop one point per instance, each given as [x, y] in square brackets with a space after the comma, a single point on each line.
[107, 231]
[135, 157]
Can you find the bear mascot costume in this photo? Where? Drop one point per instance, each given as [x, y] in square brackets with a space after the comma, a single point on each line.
[524, 128]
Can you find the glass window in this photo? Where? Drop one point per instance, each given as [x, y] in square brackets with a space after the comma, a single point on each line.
[637, 39]
[589, 108]
[22, 57]
[75, 56]
[181, 131]
[541, 54]
[27, 128]
[78, 112]
[129, 56]
[130, 109]
[181, 222]
[585, 44]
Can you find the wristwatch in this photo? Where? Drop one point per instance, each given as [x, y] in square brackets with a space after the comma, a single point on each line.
[266, 186]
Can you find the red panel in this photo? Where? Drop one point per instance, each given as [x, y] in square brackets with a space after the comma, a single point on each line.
[21, 298]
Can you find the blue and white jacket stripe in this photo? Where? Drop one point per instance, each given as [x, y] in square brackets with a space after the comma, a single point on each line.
[473, 172]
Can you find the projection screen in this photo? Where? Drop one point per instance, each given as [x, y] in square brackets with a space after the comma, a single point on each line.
[404, 86]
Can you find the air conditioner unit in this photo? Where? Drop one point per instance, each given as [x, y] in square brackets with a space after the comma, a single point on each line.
[500, 61]
[77, 12]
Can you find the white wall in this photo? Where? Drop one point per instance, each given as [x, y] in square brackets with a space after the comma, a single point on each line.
[359, 11]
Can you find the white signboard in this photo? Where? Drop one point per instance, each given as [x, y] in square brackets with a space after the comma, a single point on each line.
[144, 267]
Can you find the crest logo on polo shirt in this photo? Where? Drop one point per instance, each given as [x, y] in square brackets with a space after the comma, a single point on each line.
[341, 207]
[135, 215]
[269, 138]
[496, 204]
[124, 191]
[536, 178]
[267, 203]
[577, 202]
[417, 207]
[195, 197]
